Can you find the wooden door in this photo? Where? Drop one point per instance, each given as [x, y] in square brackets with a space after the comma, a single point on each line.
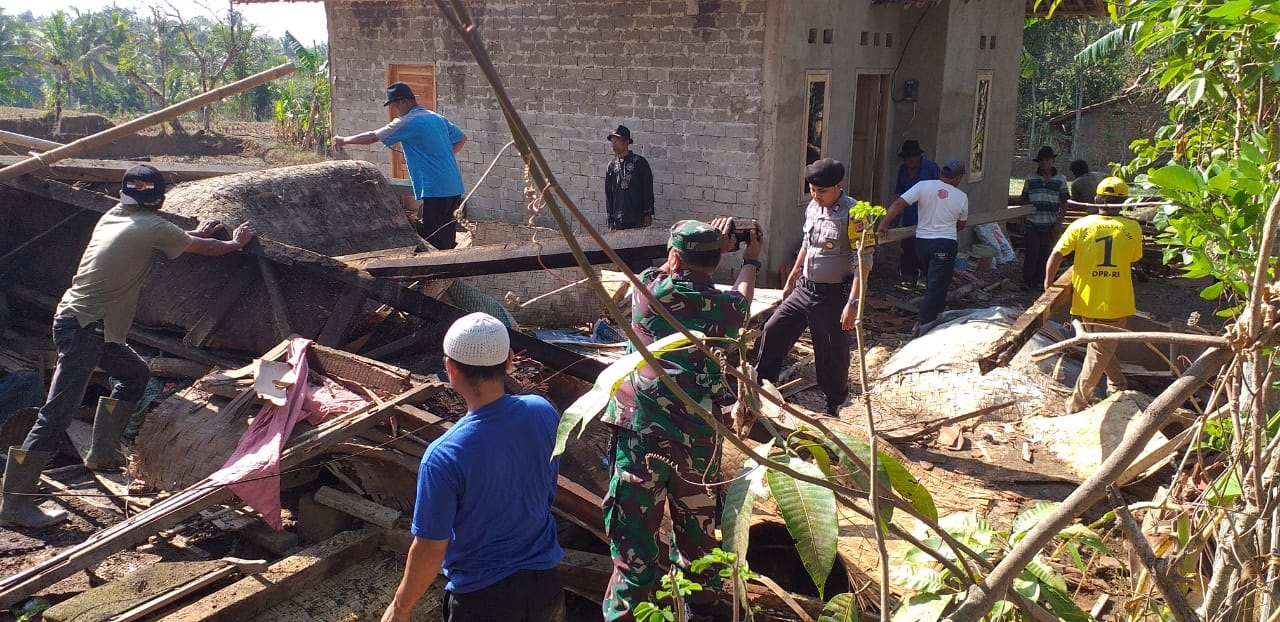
[866, 163]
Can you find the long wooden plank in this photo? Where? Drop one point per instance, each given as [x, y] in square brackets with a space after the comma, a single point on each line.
[384, 291]
[110, 171]
[1003, 350]
[32, 164]
[631, 244]
[284, 579]
[200, 496]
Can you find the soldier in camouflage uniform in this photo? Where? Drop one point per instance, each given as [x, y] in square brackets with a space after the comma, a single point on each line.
[661, 450]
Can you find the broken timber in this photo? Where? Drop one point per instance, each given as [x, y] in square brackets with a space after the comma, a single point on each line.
[35, 163]
[110, 171]
[384, 291]
[202, 495]
[1052, 300]
[902, 233]
[631, 244]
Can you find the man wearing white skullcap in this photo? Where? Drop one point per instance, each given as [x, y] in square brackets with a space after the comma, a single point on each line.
[485, 489]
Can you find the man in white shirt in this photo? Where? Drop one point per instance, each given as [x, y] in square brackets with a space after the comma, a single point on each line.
[944, 210]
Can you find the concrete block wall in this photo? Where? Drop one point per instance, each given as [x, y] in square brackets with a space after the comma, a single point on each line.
[684, 75]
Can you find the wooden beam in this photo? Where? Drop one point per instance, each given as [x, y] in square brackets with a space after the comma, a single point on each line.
[251, 596]
[200, 496]
[335, 328]
[384, 291]
[30, 165]
[279, 308]
[111, 171]
[631, 244]
[228, 295]
[29, 142]
[1002, 215]
[1004, 349]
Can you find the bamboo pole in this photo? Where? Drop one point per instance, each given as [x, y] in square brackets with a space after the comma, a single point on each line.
[43, 160]
[29, 142]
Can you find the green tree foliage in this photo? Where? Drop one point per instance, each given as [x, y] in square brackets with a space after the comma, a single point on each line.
[1054, 82]
[121, 62]
[1215, 160]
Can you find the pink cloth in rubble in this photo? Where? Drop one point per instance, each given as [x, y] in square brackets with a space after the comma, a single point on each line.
[253, 470]
[326, 399]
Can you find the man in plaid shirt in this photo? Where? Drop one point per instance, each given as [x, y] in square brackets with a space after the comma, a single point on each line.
[1048, 192]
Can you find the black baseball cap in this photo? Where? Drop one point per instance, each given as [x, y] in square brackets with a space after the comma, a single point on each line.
[142, 185]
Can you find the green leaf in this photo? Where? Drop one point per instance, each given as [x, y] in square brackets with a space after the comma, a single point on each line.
[1233, 10]
[1046, 575]
[1029, 588]
[810, 513]
[1214, 291]
[590, 405]
[923, 608]
[902, 481]
[1225, 489]
[735, 521]
[841, 608]
[1174, 177]
[918, 578]
[1022, 523]
[1061, 605]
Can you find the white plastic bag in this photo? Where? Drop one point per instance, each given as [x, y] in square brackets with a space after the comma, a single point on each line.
[994, 236]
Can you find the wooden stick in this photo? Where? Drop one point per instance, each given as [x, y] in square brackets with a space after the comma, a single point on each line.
[358, 507]
[40, 161]
[279, 308]
[1208, 341]
[30, 142]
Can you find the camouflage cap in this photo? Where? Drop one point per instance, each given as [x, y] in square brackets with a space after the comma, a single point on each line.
[694, 236]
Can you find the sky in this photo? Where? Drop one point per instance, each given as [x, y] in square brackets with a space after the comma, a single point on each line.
[304, 19]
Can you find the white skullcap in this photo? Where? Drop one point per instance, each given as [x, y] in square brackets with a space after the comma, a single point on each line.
[477, 339]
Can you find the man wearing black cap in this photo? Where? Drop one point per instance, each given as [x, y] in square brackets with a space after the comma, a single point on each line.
[628, 184]
[944, 210]
[914, 168]
[89, 329]
[1048, 192]
[821, 291]
[430, 144]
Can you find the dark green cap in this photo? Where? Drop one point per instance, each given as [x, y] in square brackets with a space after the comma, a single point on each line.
[694, 236]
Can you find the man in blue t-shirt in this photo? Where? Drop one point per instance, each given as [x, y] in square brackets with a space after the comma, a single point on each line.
[430, 143]
[485, 490]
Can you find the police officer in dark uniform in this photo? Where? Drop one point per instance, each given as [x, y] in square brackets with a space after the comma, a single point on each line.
[818, 291]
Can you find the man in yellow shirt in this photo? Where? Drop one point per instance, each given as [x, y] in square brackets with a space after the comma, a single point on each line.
[1106, 245]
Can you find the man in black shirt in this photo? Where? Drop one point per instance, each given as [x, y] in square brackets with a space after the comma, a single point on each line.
[628, 185]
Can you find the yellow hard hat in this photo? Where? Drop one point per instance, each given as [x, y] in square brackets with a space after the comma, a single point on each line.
[1113, 187]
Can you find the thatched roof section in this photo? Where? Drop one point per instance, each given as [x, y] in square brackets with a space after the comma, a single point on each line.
[332, 208]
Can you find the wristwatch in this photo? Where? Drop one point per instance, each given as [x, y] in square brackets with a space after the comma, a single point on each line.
[752, 262]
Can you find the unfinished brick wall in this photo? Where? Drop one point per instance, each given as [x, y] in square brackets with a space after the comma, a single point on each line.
[684, 75]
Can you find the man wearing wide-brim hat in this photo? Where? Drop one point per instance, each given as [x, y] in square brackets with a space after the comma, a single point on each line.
[1048, 192]
[430, 144]
[628, 184]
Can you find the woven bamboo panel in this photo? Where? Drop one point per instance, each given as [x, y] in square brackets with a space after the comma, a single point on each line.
[573, 306]
[186, 438]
